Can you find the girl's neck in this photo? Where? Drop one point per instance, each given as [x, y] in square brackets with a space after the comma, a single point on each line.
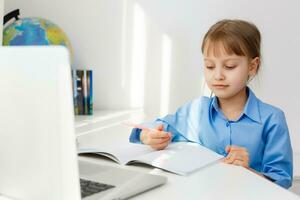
[233, 107]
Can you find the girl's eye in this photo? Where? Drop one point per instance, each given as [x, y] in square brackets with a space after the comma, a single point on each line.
[209, 67]
[230, 67]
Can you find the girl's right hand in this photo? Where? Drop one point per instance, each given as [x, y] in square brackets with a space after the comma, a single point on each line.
[156, 138]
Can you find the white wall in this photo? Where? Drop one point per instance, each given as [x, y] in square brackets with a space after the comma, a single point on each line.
[104, 36]
[94, 28]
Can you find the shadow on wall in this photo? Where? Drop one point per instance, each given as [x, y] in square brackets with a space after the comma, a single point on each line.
[296, 185]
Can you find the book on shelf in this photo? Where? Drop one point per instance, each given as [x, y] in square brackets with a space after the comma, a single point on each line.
[181, 158]
[82, 81]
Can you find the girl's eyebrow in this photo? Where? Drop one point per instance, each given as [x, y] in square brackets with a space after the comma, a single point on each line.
[227, 59]
[231, 59]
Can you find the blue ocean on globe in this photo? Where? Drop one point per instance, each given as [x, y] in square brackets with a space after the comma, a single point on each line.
[34, 31]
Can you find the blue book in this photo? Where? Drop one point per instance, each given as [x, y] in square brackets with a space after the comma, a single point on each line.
[75, 93]
[83, 91]
[90, 92]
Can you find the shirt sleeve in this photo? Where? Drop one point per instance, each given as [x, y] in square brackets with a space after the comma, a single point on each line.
[184, 124]
[277, 163]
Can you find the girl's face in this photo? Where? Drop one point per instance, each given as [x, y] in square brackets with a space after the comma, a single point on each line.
[226, 75]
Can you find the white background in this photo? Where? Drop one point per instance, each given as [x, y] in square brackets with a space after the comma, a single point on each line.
[135, 46]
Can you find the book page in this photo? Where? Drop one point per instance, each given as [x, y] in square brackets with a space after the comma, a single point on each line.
[181, 158]
[123, 152]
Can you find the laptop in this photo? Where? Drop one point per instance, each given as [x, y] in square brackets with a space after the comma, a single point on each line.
[38, 158]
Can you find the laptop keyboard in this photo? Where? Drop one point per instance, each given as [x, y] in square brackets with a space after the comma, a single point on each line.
[90, 187]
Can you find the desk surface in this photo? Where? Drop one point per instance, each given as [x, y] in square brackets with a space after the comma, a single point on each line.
[217, 181]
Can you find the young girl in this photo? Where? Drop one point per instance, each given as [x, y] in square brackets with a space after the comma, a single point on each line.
[234, 123]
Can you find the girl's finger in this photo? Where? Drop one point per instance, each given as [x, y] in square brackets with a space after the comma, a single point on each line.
[160, 127]
[159, 134]
[242, 155]
[230, 157]
[159, 141]
[237, 148]
[241, 152]
[240, 149]
[240, 163]
[236, 156]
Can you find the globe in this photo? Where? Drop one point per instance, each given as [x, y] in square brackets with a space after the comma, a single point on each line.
[35, 31]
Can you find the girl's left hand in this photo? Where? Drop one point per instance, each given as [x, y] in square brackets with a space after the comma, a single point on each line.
[237, 156]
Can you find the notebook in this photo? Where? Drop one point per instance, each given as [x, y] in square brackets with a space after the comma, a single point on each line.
[181, 158]
[37, 140]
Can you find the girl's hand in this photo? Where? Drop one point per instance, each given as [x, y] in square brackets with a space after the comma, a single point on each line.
[237, 156]
[156, 138]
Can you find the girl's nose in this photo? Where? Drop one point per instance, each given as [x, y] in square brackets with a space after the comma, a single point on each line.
[218, 75]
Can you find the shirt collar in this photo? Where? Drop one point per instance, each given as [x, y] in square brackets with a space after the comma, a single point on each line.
[251, 108]
[215, 104]
[215, 107]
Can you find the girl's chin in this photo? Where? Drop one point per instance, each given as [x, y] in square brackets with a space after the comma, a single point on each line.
[222, 94]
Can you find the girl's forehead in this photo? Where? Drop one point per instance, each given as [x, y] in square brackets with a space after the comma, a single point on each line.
[219, 51]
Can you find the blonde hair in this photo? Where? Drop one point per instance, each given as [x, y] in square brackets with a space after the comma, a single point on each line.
[236, 36]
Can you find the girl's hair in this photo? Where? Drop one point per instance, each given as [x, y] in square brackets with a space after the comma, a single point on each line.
[235, 36]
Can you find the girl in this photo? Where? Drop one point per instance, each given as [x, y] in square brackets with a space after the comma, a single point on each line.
[234, 123]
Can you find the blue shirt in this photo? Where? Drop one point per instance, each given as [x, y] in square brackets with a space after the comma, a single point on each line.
[261, 128]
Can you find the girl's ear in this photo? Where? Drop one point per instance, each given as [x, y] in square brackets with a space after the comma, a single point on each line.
[254, 66]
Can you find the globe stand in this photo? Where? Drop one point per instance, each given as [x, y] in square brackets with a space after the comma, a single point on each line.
[13, 14]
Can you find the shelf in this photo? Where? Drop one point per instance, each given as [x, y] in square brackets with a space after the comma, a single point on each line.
[102, 119]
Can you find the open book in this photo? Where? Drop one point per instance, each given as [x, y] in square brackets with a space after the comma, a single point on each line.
[181, 157]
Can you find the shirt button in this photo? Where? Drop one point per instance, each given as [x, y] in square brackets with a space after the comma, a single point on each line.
[227, 124]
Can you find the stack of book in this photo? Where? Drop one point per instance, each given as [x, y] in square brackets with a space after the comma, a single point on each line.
[82, 81]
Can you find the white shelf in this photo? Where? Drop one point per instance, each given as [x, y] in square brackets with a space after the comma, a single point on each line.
[100, 115]
[102, 119]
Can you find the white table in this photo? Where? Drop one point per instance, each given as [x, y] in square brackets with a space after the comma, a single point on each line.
[218, 181]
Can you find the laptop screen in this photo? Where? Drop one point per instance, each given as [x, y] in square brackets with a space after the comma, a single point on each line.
[37, 145]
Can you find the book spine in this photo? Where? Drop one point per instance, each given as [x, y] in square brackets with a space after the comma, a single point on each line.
[85, 91]
[75, 94]
[80, 98]
[82, 81]
[90, 91]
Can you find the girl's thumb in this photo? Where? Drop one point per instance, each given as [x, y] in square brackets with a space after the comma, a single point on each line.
[228, 148]
[160, 127]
